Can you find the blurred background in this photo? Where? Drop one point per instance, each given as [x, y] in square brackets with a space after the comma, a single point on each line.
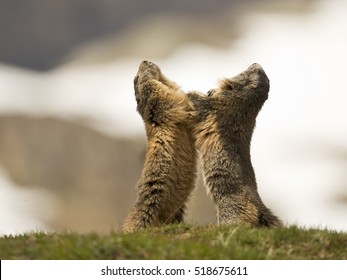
[72, 144]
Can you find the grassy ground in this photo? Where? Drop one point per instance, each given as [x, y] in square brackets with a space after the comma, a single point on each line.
[181, 242]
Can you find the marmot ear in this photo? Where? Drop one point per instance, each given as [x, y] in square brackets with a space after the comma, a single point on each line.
[226, 84]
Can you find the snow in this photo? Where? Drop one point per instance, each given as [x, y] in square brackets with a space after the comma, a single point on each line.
[22, 209]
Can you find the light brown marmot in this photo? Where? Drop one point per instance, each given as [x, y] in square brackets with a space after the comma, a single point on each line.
[169, 173]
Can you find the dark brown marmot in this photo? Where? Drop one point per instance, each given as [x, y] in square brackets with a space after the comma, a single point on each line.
[224, 123]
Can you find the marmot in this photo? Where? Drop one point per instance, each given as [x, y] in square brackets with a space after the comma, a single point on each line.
[169, 173]
[224, 123]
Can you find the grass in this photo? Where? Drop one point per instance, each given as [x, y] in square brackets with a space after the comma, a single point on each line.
[181, 242]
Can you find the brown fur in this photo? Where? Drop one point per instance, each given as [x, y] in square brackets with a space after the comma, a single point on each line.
[223, 129]
[168, 176]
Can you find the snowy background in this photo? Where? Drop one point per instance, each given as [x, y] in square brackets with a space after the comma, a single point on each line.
[299, 147]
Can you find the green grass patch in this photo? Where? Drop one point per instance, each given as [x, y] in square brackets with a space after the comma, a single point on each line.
[181, 242]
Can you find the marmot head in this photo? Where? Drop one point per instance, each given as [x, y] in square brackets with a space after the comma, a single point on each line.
[250, 87]
[235, 104]
[147, 71]
[159, 100]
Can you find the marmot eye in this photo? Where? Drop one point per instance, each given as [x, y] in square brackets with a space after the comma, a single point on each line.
[210, 92]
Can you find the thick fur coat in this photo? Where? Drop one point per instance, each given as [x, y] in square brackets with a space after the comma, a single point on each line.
[223, 128]
[169, 173]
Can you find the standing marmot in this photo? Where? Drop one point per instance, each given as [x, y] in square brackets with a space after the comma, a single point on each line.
[223, 129]
[169, 172]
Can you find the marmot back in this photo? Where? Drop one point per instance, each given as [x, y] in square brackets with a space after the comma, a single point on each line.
[169, 172]
[224, 123]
